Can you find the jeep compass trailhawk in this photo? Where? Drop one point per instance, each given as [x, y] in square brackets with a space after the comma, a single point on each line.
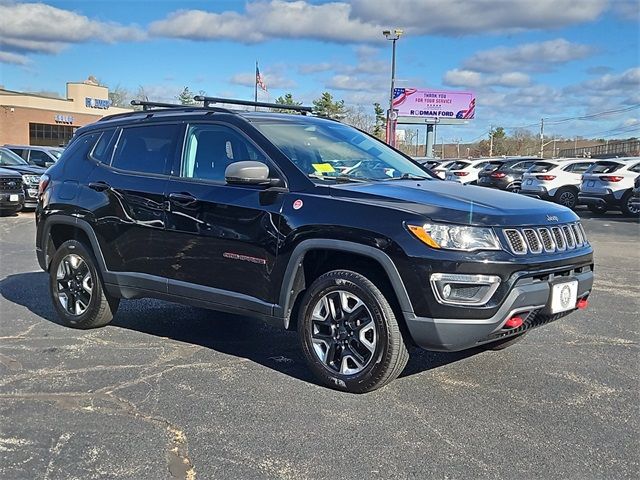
[307, 223]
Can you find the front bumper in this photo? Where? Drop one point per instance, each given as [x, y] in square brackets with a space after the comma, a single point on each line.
[7, 203]
[529, 298]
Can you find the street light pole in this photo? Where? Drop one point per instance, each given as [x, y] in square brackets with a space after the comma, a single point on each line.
[393, 36]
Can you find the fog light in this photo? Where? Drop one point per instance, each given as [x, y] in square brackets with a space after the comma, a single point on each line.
[463, 289]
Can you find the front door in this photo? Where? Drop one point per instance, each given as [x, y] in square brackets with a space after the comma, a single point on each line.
[223, 238]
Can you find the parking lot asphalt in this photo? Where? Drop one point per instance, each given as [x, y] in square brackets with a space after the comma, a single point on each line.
[168, 391]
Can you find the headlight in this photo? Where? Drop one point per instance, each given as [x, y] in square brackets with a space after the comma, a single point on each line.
[456, 237]
[31, 179]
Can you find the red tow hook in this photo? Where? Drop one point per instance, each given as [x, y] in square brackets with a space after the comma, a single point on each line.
[582, 303]
[513, 322]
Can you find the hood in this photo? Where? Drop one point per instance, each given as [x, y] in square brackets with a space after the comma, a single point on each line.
[25, 169]
[456, 203]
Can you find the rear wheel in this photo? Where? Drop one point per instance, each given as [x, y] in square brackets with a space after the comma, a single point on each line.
[76, 288]
[349, 333]
[626, 207]
[566, 196]
[597, 208]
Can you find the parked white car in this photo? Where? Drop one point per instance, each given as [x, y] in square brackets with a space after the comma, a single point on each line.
[608, 184]
[441, 170]
[556, 180]
[465, 171]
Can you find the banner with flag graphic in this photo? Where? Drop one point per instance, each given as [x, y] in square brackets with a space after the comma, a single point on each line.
[443, 105]
[260, 80]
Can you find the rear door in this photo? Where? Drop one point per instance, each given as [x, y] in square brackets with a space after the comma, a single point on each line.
[128, 191]
[222, 239]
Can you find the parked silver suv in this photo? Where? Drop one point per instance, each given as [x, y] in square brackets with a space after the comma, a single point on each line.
[36, 155]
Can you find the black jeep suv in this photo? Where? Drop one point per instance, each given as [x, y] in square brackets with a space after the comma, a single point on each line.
[246, 212]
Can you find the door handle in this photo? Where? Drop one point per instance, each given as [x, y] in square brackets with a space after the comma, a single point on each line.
[182, 198]
[99, 186]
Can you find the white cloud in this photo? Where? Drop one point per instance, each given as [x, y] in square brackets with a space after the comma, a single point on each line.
[529, 56]
[41, 28]
[349, 82]
[464, 17]
[472, 79]
[308, 68]
[263, 20]
[14, 58]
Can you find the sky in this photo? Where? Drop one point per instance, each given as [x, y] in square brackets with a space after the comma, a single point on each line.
[525, 59]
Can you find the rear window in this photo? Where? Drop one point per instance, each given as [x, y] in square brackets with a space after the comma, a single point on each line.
[146, 149]
[459, 165]
[491, 166]
[635, 168]
[542, 167]
[604, 167]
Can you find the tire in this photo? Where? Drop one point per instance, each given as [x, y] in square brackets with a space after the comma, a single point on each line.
[9, 212]
[567, 197]
[627, 209]
[599, 209]
[515, 188]
[73, 276]
[502, 344]
[356, 347]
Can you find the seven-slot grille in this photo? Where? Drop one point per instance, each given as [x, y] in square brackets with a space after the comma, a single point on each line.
[11, 184]
[537, 240]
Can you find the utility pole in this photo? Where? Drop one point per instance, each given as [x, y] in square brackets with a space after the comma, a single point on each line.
[541, 137]
[554, 146]
[417, 140]
[391, 134]
[458, 147]
[442, 143]
[491, 140]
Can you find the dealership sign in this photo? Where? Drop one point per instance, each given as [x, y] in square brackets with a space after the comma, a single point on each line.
[102, 103]
[60, 118]
[442, 106]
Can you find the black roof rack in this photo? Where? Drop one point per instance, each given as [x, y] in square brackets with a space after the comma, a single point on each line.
[147, 105]
[208, 101]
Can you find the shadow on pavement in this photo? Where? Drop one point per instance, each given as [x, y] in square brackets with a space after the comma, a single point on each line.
[230, 334]
[612, 216]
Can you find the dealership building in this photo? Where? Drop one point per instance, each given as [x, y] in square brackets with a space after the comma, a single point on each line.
[31, 119]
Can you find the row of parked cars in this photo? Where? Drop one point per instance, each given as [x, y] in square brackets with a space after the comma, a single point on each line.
[21, 167]
[601, 185]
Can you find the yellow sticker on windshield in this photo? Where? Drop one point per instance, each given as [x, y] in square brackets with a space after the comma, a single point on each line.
[323, 167]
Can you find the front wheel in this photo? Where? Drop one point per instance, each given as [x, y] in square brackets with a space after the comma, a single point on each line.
[349, 333]
[76, 288]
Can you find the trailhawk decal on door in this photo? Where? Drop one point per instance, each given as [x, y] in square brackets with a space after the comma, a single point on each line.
[244, 258]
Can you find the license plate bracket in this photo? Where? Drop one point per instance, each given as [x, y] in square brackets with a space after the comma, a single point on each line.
[564, 296]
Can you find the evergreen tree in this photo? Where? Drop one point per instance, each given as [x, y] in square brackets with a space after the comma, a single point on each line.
[325, 106]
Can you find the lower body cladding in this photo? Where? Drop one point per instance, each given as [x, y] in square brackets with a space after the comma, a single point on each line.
[598, 199]
[530, 303]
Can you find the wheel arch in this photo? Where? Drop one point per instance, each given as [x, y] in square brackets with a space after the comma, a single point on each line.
[60, 228]
[303, 268]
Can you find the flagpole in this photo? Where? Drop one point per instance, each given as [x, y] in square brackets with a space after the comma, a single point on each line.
[255, 97]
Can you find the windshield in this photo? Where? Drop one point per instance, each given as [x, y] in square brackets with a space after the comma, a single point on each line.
[334, 151]
[56, 153]
[7, 157]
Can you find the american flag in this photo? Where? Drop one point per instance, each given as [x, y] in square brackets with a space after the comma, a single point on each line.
[260, 80]
[401, 94]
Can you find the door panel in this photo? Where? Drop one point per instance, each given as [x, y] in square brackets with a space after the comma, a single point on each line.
[128, 199]
[221, 236]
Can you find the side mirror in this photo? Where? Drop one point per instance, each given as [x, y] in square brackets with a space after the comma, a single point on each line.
[49, 164]
[248, 172]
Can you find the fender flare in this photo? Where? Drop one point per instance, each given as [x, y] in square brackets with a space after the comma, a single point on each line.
[74, 222]
[294, 267]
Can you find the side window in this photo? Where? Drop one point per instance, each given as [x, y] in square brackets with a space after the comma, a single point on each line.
[81, 146]
[519, 166]
[104, 148]
[482, 165]
[578, 167]
[211, 148]
[38, 157]
[635, 168]
[21, 152]
[146, 149]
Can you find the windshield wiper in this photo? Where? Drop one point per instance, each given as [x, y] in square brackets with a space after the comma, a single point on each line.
[341, 178]
[408, 176]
